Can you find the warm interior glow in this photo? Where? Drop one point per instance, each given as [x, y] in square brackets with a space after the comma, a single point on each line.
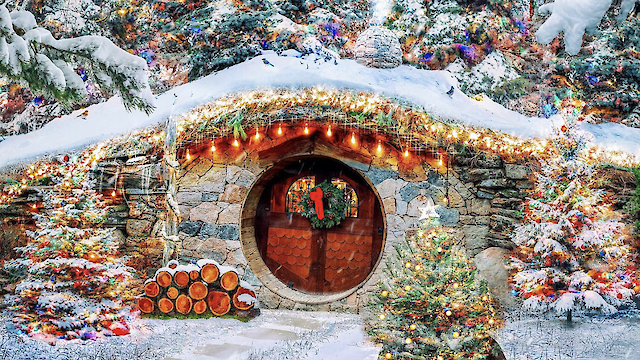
[306, 129]
[257, 134]
[406, 152]
[213, 147]
[113, 193]
[280, 129]
[353, 138]
[236, 143]
[329, 131]
[188, 155]
[379, 146]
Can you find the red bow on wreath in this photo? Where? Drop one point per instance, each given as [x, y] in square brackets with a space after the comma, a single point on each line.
[316, 196]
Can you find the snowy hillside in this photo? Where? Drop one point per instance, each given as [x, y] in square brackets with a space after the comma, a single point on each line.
[424, 88]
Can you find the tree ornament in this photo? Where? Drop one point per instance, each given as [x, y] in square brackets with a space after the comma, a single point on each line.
[322, 216]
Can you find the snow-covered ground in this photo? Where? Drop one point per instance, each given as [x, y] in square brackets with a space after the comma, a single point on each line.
[422, 88]
[300, 335]
[274, 335]
[588, 338]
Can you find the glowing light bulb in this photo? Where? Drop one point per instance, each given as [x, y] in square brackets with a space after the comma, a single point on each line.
[379, 146]
[455, 285]
[33, 206]
[306, 129]
[491, 321]
[385, 293]
[188, 155]
[236, 143]
[406, 153]
[448, 313]
[484, 298]
[440, 162]
[213, 147]
[408, 264]
[408, 340]
[418, 267]
[413, 326]
[407, 288]
[257, 134]
[329, 131]
[113, 193]
[353, 138]
[388, 356]
[280, 129]
[456, 334]
[382, 316]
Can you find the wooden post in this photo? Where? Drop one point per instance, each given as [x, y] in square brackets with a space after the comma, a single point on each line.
[171, 248]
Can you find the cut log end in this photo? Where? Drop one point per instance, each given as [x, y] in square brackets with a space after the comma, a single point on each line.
[163, 279]
[229, 281]
[184, 304]
[198, 290]
[194, 275]
[200, 307]
[151, 289]
[165, 305]
[246, 295]
[219, 302]
[209, 273]
[181, 278]
[145, 305]
[172, 293]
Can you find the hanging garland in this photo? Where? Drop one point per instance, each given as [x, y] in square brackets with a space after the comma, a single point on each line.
[313, 205]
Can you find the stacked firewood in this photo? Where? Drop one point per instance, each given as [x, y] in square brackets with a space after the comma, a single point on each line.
[196, 289]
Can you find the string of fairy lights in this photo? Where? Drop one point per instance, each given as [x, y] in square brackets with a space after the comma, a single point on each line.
[357, 113]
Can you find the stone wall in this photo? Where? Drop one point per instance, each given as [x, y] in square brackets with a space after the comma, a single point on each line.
[484, 197]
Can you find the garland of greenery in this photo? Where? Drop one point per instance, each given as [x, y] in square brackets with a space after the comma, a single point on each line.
[333, 214]
[633, 206]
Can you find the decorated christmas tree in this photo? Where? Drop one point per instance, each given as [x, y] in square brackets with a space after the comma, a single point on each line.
[431, 306]
[75, 283]
[572, 253]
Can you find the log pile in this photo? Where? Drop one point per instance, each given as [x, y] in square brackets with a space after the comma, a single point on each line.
[197, 289]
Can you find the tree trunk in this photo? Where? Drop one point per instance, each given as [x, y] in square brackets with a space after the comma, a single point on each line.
[238, 304]
[219, 302]
[164, 279]
[200, 307]
[209, 273]
[184, 304]
[229, 281]
[151, 289]
[172, 293]
[181, 279]
[198, 290]
[165, 305]
[145, 305]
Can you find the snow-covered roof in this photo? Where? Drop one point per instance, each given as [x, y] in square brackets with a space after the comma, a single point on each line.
[424, 88]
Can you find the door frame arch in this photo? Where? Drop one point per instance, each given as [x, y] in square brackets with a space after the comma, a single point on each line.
[250, 246]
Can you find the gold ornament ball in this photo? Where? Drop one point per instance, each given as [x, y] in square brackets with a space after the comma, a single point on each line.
[448, 313]
[385, 293]
[408, 340]
[456, 334]
[407, 288]
[413, 326]
[388, 356]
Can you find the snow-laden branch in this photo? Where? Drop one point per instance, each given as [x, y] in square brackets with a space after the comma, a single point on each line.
[31, 54]
[574, 17]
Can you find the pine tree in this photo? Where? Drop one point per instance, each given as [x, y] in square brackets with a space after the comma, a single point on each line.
[30, 54]
[74, 281]
[572, 253]
[431, 306]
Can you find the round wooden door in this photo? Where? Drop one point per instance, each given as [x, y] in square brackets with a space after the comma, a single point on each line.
[318, 260]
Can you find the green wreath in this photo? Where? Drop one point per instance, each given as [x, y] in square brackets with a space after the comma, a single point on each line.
[335, 212]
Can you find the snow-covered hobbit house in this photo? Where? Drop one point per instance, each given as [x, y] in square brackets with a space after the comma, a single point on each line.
[237, 199]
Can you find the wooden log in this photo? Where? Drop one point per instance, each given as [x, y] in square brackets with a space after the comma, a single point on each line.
[184, 304]
[209, 273]
[165, 305]
[200, 307]
[181, 279]
[198, 290]
[239, 304]
[229, 280]
[145, 305]
[172, 292]
[219, 302]
[163, 278]
[151, 289]
[194, 275]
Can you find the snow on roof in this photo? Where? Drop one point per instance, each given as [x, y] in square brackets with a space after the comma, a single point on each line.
[425, 88]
